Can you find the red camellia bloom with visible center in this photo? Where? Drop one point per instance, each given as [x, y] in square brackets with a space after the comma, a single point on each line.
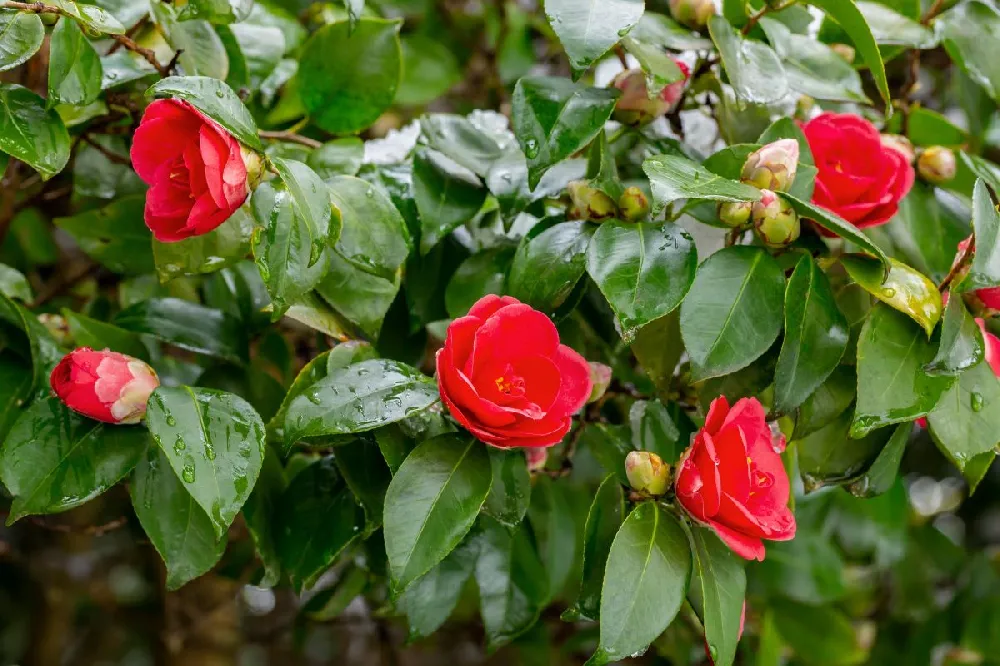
[505, 377]
[195, 169]
[104, 385]
[860, 178]
[732, 479]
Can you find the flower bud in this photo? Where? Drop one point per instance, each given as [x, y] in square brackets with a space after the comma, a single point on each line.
[692, 13]
[735, 213]
[777, 224]
[590, 203]
[647, 472]
[57, 327]
[254, 163]
[537, 457]
[937, 165]
[600, 376]
[900, 143]
[845, 51]
[635, 107]
[772, 167]
[104, 385]
[634, 204]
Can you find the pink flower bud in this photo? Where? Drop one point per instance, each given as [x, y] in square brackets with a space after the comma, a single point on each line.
[104, 385]
[537, 457]
[635, 107]
[647, 472]
[776, 222]
[600, 375]
[772, 167]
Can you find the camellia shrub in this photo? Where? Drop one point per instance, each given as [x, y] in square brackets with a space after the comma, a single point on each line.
[591, 332]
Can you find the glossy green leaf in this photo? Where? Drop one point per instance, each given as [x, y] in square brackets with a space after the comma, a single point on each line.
[432, 502]
[654, 430]
[460, 140]
[216, 100]
[662, 31]
[674, 177]
[985, 268]
[311, 200]
[508, 181]
[178, 528]
[982, 168]
[348, 78]
[754, 69]
[549, 263]
[603, 521]
[216, 11]
[510, 493]
[261, 515]
[658, 348]
[31, 132]
[837, 225]
[360, 397]
[373, 234]
[554, 118]
[21, 36]
[552, 524]
[317, 519]
[88, 332]
[74, 66]
[215, 444]
[733, 313]
[850, 18]
[447, 196]
[361, 297]
[589, 28]
[833, 455]
[364, 470]
[968, 32]
[429, 601]
[431, 68]
[965, 422]
[816, 336]
[311, 373]
[905, 289]
[340, 157]
[513, 588]
[114, 235]
[188, 326]
[481, 274]
[721, 583]
[962, 345]
[13, 284]
[53, 459]
[15, 389]
[827, 402]
[645, 582]
[660, 68]
[926, 230]
[224, 246]
[892, 384]
[37, 343]
[91, 15]
[644, 270]
[883, 473]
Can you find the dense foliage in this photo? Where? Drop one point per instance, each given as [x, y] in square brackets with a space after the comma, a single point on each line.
[591, 330]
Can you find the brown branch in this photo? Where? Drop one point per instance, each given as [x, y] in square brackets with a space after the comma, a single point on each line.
[960, 264]
[934, 10]
[147, 54]
[130, 33]
[110, 154]
[764, 11]
[290, 136]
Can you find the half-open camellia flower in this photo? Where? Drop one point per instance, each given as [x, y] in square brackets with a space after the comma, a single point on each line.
[104, 385]
[197, 172]
[505, 377]
[732, 479]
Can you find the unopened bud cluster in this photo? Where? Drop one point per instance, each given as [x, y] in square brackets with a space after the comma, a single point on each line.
[771, 169]
[591, 204]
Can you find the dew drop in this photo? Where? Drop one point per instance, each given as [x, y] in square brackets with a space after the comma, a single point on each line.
[179, 445]
[171, 421]
[890, 292]
[188, 474]
[531, 149]
[976, 399]
[623, 32]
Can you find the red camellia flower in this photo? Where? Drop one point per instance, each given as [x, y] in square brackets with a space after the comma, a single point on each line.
[732, 480]
[505, 377]
[196, 170]
[860, 178]
[104, 385]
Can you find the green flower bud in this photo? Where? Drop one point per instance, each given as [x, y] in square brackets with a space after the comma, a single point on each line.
[590, 203]
[692, 13]
[772, 167]
[845, 51]
[735, 213]
[600, 375]
[254, 163]
[777, 224]
[647, 472]
[634, 204]
[937, 165]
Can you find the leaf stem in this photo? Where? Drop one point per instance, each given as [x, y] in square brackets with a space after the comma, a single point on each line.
[764, 11]
[960, 264]
[290, 136]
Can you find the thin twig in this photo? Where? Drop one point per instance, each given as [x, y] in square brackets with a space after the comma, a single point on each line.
[764, 11]
[110, 154]
[130, 33]
[290, 136]
[960, 264]
[934, 10]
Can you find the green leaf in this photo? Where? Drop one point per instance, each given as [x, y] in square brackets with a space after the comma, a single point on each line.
[905, 289]
[15, 389]
[754, 69]
[674, 177]
[850, 18]
[589, 28]
[481, 274]
[548, 264]
[364, 469]
[658, 348]
[431, 70]
[447, 195]
[968, 31]
[985, 269]
[660, 68]
[340, 157]
[360, 397]
[654, 430]
[816, 336]
[603, 521]
[216, 11]
[554, 529]
[812, 67]
[508, 181]
[892, 384]
[187, 325]
[432, 502]
[31, 132]
[348, 78]
[882, 475]
[114, 235]
[317, 519]
[13, 284]
[362, 298]
[311, 199]
[37, 343]
[215, 444]
[461, 140]
[965, 422]
[53, 459]
[177, 527]
[96, 334]
[962, 344]
[216, 100]
[930, 128]
[91, 16]
[513, 588]
[429, 601]
[261, 514]
[74, 66]
[733, 313]
[809, 568]
[721, 583]
[890, 28]
[224, 246]
[659, 30]
[122, 68]
[644, 584]
[510, 493]
[21, 36]
[644, 270]
[311, 373]
[198, 46]
[822, 633]
[554, 118]
[827, 402]
[837, 225]
[373, 234]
